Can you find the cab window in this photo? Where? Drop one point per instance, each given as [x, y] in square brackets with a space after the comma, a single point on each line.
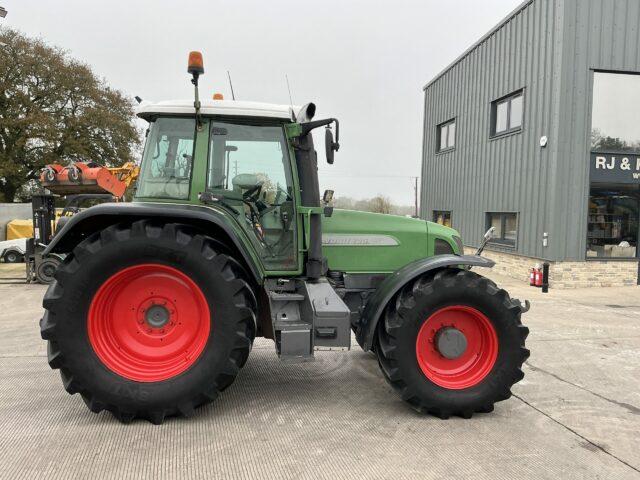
[167, 159]
[249, 168]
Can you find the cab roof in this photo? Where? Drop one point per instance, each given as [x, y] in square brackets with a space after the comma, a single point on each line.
[217, 107]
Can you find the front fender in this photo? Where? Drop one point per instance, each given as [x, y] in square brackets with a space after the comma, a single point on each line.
[98, 217]
[392, 284]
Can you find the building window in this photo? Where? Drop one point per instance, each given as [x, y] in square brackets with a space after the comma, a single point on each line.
[506, 228]
[613, 223]
[447, 135]
[506, 114]
[442, 217]
[615, 125]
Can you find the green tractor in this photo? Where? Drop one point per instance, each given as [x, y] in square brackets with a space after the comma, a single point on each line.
[154, 310]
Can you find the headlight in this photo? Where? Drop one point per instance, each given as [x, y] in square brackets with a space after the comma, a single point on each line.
[459, 245]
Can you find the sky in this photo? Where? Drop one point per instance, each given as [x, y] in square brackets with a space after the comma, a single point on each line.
[363, 62]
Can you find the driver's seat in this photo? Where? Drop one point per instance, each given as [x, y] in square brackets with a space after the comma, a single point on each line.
[244, 181]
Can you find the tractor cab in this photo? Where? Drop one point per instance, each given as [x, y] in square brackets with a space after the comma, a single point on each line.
[237, 158]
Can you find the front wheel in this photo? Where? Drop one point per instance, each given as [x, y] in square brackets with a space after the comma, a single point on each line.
[452, 343]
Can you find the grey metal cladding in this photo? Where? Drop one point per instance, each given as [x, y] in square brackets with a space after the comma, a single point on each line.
[547, 48]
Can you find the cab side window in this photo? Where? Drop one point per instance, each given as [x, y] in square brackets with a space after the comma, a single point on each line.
[167, 162]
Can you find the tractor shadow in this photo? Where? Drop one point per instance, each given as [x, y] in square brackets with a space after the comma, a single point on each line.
[333, 384]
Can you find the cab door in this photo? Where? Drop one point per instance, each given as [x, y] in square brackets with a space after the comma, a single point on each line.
[250, 168]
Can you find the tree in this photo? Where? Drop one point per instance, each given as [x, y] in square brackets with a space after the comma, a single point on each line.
[381, 204]
[377, 204]
[600, 141]
[54, 109]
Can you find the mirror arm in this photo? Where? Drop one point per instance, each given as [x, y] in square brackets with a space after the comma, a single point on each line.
[308, 126]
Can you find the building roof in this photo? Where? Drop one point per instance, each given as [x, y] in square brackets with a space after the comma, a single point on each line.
[501, 24]
[217, 107]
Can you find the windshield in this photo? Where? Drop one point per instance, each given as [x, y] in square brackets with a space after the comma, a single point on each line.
[250, 171]
[167, 159]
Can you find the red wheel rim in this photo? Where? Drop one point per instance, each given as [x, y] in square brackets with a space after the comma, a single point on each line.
[475, 363]
[148, 322]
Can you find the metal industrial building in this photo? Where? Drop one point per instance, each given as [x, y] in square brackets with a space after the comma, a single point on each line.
[535, 130]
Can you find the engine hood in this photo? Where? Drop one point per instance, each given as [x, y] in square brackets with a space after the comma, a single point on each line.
[364, 242]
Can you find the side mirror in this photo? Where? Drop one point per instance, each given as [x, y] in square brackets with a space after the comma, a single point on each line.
[329, 145]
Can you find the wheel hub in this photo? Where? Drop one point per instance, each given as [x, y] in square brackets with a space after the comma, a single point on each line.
[157, 316]
[149, 322]
[451, 342]
[456, 347]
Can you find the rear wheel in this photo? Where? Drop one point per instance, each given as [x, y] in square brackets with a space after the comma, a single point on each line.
[148, 321]
[452, 343]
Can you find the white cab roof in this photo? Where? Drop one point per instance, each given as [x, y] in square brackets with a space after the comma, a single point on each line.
[217, 107]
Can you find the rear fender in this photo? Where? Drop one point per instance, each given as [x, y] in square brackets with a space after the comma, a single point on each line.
[393, 283]
[98, 217]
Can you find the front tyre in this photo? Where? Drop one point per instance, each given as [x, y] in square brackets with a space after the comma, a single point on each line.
[148, 321]
[452, 343]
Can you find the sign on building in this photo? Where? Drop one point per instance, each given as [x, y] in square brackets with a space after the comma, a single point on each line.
[615, 167]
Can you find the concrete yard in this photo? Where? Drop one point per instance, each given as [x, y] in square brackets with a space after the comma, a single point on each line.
[575, 415]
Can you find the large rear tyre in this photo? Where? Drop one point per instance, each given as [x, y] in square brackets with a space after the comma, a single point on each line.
[452, 344]
[148, 321]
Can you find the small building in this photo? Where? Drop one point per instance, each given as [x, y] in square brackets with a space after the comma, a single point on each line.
[535, 130]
